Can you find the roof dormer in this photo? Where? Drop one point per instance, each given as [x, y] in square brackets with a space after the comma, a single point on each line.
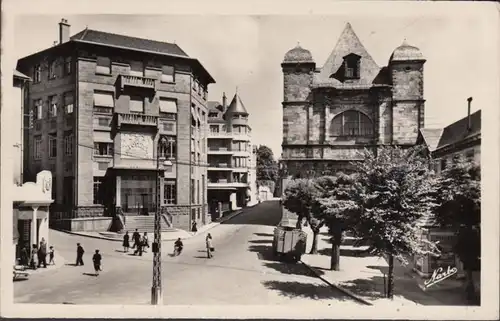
[352, 66]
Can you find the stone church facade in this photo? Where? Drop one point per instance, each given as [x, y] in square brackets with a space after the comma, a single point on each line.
[331, 114]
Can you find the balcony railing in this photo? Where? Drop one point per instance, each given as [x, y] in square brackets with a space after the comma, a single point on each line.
[137, 81]
[218, 149]
[136, 119]
[222, 134]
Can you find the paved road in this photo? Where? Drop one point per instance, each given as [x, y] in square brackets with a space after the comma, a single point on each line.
[242, 271]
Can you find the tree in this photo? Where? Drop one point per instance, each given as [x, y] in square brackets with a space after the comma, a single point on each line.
[300, 197]
[267, 167]
[330, 208]
[459, 196]
[392, 191]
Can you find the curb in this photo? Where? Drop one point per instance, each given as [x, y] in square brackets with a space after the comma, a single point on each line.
[338, 287]
[114, 239]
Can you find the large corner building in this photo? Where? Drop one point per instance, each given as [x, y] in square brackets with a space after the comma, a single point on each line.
[332, 113]
[100, 104]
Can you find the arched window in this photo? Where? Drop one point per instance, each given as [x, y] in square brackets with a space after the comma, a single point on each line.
[351, 123]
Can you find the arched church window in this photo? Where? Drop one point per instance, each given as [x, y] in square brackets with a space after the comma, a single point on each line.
[351, 123]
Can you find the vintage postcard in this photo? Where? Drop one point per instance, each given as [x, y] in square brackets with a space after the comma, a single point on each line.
[276, 159]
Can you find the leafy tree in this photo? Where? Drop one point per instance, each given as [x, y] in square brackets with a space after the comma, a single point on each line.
[330, 208]
[459, 196]
[391, 192]
[267, 167]
[300, 197]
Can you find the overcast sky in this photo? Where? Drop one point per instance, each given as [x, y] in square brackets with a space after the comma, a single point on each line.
[246, 52]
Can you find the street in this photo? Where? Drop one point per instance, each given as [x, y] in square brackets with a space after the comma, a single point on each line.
[242, 271]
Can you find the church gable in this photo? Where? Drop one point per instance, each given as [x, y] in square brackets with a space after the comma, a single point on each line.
[349, 61]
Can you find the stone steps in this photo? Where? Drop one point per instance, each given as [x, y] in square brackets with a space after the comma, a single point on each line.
[145, 224]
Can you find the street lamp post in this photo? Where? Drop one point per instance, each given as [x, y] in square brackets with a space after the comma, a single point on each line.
[156, 291]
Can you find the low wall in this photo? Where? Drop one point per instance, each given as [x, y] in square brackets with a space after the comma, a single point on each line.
[182, 216]
[86, 224]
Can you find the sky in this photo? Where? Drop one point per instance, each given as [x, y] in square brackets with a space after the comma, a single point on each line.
[245, 51]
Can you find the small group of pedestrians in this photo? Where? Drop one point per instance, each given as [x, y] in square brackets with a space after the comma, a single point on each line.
[36, 257]
[96, 258]
[140, 242]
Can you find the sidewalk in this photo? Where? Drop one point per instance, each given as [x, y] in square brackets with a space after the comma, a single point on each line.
[165, 236]
[363, 277]
[58, 260]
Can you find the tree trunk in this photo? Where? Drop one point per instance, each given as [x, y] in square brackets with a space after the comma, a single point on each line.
[390, 278]
[335, 258]
[314, 247]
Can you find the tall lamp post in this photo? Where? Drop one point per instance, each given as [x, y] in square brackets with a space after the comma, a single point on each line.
[156, 292]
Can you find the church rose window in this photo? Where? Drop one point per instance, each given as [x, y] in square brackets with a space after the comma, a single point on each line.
[351, 123]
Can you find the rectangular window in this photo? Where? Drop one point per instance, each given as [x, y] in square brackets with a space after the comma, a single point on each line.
[202, 189]
[214, 128]
[168, 106]
[169, 150]
[68, 143]
[195, 85]
[67, 66]
[37, 73]
[104, 102]
[136, 104]
[98, 197]
[103, 149]
[52, 146]
[169, 192]
[53, 106]
[169, 127]
[103, 66]
[52, 70]
[38, 147]
[68, 103]
[103, 121]
[167, 74]
[198, 191]
[192, 191]
[38, 109]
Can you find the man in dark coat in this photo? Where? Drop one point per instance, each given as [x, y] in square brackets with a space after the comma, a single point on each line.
[137, 238]
[79, 254]
[97, 262]
[42, 255]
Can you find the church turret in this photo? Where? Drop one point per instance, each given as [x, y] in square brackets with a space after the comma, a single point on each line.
[298, 70]
[406, 66]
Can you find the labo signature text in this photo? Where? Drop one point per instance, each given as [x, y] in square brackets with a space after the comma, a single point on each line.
[439, 275]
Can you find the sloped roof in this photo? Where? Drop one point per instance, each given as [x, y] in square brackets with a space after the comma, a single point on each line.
[106, 38]
[212, 106]
[457, 131]
[349, 43]
[431, 137]
[236, 106]
[20, 75]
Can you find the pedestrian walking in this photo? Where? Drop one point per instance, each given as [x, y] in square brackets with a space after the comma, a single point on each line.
[139, 245]
[51, 256]
[194, 228]
[145, 241]
[126, 242]
[79, 254]
[97, 262]
[34, 256]
[42, 254]
[210, 247]
[137, 238]
[25, 256]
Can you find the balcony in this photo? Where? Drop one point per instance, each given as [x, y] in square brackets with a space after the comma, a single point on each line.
[219, 167]
[221, 135]
[137, 82]
[225, 183]
[219, 151]
[136, 119]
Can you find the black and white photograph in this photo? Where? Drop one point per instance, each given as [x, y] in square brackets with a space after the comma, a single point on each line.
[293, 160]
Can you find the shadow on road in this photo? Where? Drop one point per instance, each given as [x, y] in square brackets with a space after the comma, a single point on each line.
[261, 241]
[264, 252]
[291, 268]
[200, 257]
[263, 234]
[70, 264]
[293, 289]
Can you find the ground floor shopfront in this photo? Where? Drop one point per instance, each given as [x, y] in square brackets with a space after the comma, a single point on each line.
[226, 199]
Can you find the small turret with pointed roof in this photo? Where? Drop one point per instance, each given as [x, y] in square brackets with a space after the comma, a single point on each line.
[236, 106]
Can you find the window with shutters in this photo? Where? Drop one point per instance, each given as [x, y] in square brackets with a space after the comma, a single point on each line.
[37, 73]
[351, 123]
[52, 146]
[136, 104]
[170, 192]
[38, 147]
[52, 70]
[103, 66]
[168, 74]
[68, 103]
[104, 102]
[53, 106]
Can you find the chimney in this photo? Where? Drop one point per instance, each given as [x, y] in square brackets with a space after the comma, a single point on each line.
[63, 31]
[224, 101]
[469, 126]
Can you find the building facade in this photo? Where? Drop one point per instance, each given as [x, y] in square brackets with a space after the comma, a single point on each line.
[332, 113]
[101, 102]
[230, 175]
